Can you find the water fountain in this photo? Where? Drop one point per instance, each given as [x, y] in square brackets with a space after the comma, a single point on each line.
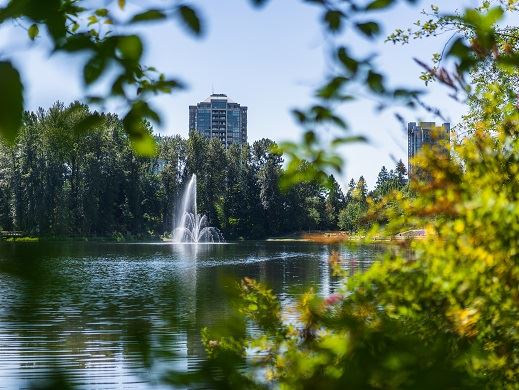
[192, 227]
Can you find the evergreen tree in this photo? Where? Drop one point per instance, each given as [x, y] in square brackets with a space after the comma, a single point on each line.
[351, 189]
[401, 174]
[381, 185]
[360, 193]
[267, 165]
[335, 201]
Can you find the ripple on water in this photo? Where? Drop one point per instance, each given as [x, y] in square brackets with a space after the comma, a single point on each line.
[117, 316]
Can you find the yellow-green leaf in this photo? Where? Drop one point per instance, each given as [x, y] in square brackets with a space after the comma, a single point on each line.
[130, 47]
[33, 31]
[144, 145]
[102, 12]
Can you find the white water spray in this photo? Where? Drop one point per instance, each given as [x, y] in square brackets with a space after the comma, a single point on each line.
[192, 227]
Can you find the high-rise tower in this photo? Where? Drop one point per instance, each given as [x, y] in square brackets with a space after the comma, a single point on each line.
[220, 117]
[425, 133]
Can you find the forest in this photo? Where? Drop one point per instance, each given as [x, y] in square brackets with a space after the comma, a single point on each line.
[60, 180]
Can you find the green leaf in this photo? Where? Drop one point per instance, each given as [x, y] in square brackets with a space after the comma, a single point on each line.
[334, 19]
[483, 22]
[348, 140]
[309, 137]
[191, 19]
[258, 3]
[349, 63]
[375, 82]
[88, 123]
[379, 4]
[144, 145]
[401, 93]
[92, 20]
[122, 4]
[102, 12]
[332, 88]
[33, 31]
[369, 29]
[493, 16]
[78, 42]
[141, 138]
[464, 53]
[11, 101]
[148, 16]
[459, 49]
[300, 116]
[130, 47]
[339, 121]
[94, 68]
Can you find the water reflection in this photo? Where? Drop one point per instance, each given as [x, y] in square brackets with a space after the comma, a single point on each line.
[119, 315]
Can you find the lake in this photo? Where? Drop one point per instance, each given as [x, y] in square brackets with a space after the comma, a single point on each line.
[120, 315]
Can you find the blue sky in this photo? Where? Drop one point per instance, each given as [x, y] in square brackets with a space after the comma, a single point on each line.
[270, 59]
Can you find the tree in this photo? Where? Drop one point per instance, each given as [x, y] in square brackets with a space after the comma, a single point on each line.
[351, 188]
[171, 168]
[360, 193]
[401, 173]
[213, 178]
[350, 217]
[335, 201]
[267, 164]
[382, 177]
[382, 184]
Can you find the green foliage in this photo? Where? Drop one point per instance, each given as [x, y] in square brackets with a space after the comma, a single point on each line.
[379, 4]
[11, 101]
[148, 16]
[370, 29]
[190, 18]
[351, 217]
[440, 312]
[76, 28]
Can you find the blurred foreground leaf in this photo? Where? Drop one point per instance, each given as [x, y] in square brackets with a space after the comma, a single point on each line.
[11, 101]
[191, 19]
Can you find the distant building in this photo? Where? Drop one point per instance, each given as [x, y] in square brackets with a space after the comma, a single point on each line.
[425, 133]
[220, 117]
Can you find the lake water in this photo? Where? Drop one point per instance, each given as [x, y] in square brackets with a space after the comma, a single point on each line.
[120, 315]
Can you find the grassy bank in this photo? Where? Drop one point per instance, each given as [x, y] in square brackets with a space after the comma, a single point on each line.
[331, 237]
[115, 238]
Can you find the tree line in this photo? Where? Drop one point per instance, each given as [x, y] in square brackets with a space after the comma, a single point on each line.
[62, 179]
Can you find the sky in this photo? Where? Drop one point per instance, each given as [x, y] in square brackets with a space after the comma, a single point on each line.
[269, 59]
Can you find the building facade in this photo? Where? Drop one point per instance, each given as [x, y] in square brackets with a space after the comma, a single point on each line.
[425, 133]
[220, 117]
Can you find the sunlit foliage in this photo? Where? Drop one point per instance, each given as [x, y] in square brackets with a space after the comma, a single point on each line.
[440, 312]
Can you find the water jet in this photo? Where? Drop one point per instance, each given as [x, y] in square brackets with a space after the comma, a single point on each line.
[192, 227]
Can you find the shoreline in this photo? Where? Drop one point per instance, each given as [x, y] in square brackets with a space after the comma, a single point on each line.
[331, 237]
[324, 237]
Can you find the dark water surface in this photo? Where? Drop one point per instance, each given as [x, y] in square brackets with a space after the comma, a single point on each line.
[120, 315]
